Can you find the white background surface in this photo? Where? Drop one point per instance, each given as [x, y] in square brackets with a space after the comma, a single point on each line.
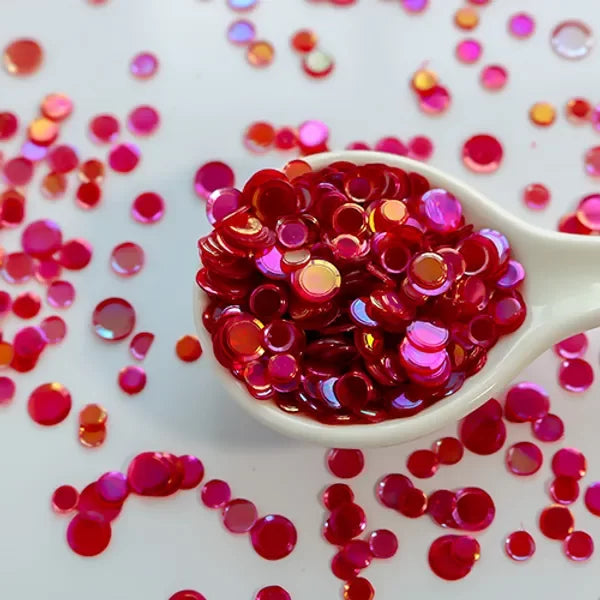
[207, 95]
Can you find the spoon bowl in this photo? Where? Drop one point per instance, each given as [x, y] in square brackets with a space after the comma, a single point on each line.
[561, 290]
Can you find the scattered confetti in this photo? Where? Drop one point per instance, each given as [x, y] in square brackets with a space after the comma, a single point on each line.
[132, 379]
[140, 345]
[188, 348]
[536, 196]
[144, 65]
[572, 40]
[521, 25]
[260, 53]
[23, 57]
[127, 259]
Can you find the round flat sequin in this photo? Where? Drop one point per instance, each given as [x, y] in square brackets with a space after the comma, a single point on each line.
[474, 509]
[7, 388]
[124, 158]
[592, 498]
[414, 6]
[412, 503]
[17, 267]
[54, 185]
[579, 546]
[260, 53]
[342, 569]
[391, 488]
[449, 450]
[241, 32]
[572, 347]
[127, 259]
[75, 254]
[140, 345]
[435, 101]
[383, 543]
[18, 171]
[188, 348]
[259, 137]
[48, 270]
[592, 161]
[524, 458]
[272, 592]
[113, 319]
[92, 438]
[143, 120]
[187, 595]
[239, 516]
[564, 490]
[62, 159]
[588, 212]
[42, 238]
[104, 129]
[23, 57]
[213, 176]
[65, 499]
[92, 415]
[360, 588]
[113, 487]
[88, 534]
[317, 63]
[242, 5]
[273, 537]
[520, 546]
[482, 153]
[193, 471]
[318, 281]
[132, 379]
[148, 208]
[521, 25]
[33, 152]
[345, 463]
[60, 294]
[556, 522]
[542, 114]
[536, 196]
[466, 18]
[336, 495]
[422, 463]
[144, 65]
[8, 125]
[469, 51]
[569, 462]
[26, 305]
[304, 40]
[43, 131]
[56, 107]
[575, 375]
[526, 402]
[572, 40]
[49, 404]
[549, 428]
[215, 493]
[443, 560]
[493, 77]
[579, 110]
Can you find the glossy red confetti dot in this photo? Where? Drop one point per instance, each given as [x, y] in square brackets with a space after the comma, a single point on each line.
[445, 563]
[54, 185]
[104, 129]
[520, 546]
[272, 592]
[588, 212]
[435, 100]
[521, 25]
[420, 148]
[259, 137]
[62, 159]
[75, 254]
[592, 161]
[140, 344]
[49, 404]
[8, 125]
[26, 305]
[187, 595]
[274, 537]
[18, 171]
[143, 120]
[213, 176]
[392, 145]
[17, 267]
[23, 57]
[592, 498]
[526, 401]
[56, 107]
[7, 389]
[549, 428]
[391, 488]
[286, 139]
[42, 238]
[564, 490]
[127, 259]
[60, 294]
[239, 516]
[88, 534]
[357, 554]
[54, 329]
[91, 171]
[88, 195]
[575, 375]
[578, 110]
[47, 270]
[536, 196]
[483, 431]
[556, 522]
[215, 493]
[29, 343]
[113, 319]
[469, 51]
[193, 471]
[414, 6]
[12, 208]
[482, 153]
[358, 588]
[313, 136]
[579, 546]
[65, 499]
[148, 208]
[336, 495]
[144, 65]
[422, 463]
[5, 303]
[345, 463]
[493, 77]
[569, 462]
[449, 450]
[342, 569]
[383, 543]
[304, 40]
[412, 503]
[124, 158]
[132, 379]
[474, 509]
[524, 458]
[113, 487]
[346, 522]
[188, 348]
[572, 347]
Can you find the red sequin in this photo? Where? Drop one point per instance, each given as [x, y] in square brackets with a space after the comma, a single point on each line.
[579, 546]
[524, 458]
[49, 404]
[449, 450]
[483, 431]
[272, 592]
[113, 319]
[391, 488]
[520, 546]
[336, 495]
[124, 158]
[62, 159]
[345, 463]
[65, 499]
[448, 564]
[592, 498]
[556, 522]
[526, 402]
[569, 462]
[104, 129]
[75, 254]
[482, 153]
[215, 493]
[422, 463]
[383, 543]
[564, 490]
[26, 305]
[345, 523]
[132, 379]
[274, 537]
[88, 534]
[148, 208]
[239, 516]
[412, 503]
[143, 120]
[359, 588]
[18, 171]
[474, 509]
[575, 375]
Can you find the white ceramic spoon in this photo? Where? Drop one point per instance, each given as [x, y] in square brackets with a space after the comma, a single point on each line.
[561, 289]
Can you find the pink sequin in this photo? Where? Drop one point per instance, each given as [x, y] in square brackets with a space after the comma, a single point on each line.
[494, 77]
[213, 176]
[143, 120]
[144, 65]
[345, 463]
[469, 51]
[575, 375]
[521, 25]
[124, 158]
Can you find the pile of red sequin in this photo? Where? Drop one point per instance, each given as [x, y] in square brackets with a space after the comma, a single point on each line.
[353, 294]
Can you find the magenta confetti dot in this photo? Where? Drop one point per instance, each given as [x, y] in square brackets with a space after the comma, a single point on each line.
[442, 211]
[357, 553]
[143, 120]
[34, 152]
[148, 208]
[132, 379]
[414, 6]
[193, 471]
[7, 389]
[383, 543]
[17, 267]
[47, 270]
[41, 239]
[572, 347]
[569, 462]
[435, 101]
[524, 458]
[420, 148]
[9, 124]
[482, 153]
[469, 51]
[124, 158]
[273, 537]
[213, 176]
[588, 212]
[221, 203]
[54, 329]
[215, 493]
[187, 595]
[345, 463]
[18, 171]
[536, 196]
[140, 345]
[60, 294]
[104, 129]
[575, 375]
[526, 401]
[239, 515]
[144, 65]
[550, 428]
[313, 134]
[127, 259]
[113, 487]
[493, 77]
[62, 159]
[592, 498]
[521, 25]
